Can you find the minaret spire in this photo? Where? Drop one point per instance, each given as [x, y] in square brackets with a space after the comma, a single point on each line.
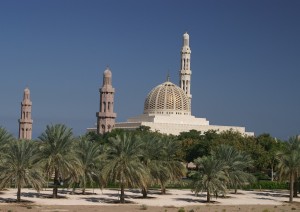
[106, 117]
[25, 122]
[185, 72]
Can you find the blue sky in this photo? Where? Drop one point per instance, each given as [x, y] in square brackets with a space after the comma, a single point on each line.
[245, 59]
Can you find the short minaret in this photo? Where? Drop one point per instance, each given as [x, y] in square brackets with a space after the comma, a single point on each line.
[185, 72]
[25, 122]
[106, 117]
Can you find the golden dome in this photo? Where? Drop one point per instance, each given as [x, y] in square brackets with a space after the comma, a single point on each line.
[167, 98]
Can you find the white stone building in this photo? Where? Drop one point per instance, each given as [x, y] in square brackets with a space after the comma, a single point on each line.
[167, 108]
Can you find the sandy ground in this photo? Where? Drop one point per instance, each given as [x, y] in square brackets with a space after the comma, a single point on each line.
[106, 200]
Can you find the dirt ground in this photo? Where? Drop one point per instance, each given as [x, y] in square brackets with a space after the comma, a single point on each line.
[131, 207]
[174, 201]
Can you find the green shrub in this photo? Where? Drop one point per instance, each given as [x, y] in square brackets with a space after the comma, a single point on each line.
[267, 185]
[181, 210]
[143, 207]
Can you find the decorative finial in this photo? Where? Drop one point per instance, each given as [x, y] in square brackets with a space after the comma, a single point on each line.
[168, 77]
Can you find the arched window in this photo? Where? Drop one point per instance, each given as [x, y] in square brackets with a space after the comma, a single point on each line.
[104, 106]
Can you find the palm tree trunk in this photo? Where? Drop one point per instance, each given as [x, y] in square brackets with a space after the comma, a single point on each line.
[291, 187]
[235, 185]
[73, 189]
[208, 196]
[122, 195]
[272, 173]
[83, 185]
[55, 183]
[163, 189]
[144, 192]
[19, 194]
[295, 191]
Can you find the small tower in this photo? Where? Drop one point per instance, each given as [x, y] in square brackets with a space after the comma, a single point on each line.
[25, 122]
[185, 72]
[106, 117]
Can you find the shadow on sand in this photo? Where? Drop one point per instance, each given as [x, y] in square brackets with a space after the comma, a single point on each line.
[106, 200]
[150, 191]
[195, 200]
[11, 200]
[271, 194]
[197, 195]
[40, 195]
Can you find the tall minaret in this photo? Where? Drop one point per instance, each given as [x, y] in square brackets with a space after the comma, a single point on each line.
[106, 117]
[25, 122]
[185, 72]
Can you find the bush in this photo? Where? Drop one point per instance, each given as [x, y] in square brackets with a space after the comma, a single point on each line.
[181, 210]
[182, 184]
[267, 185]
[143, 207]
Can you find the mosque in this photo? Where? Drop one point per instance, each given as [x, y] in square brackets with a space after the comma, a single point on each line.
[167, 107]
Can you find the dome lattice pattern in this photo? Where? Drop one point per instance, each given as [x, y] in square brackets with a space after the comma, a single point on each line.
[167, 98]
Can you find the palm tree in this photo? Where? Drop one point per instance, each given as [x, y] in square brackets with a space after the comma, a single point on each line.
[161, 158]
[57, 154]
[289, 162]
[123, 163]
[21, 166]
[152, 158]
[5, 138]
[210, 176]
[89, 155]
[237, 162]
[175, 169]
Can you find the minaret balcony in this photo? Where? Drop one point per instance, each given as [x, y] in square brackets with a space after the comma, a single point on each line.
[26, 121]
[106, 114]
